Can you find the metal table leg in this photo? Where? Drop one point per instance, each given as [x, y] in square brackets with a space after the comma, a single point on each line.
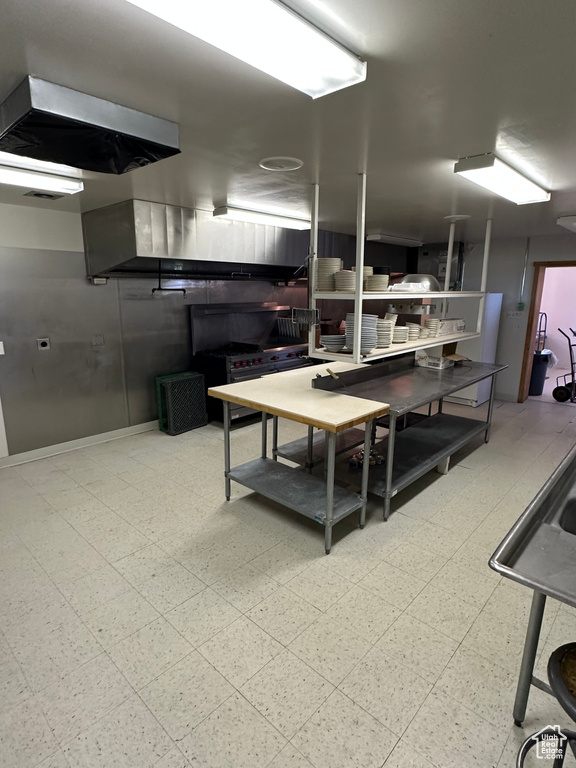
[331, 463]
[264, 435]
[529, 657]
[389, 465]
[275, 438]
[310, 449]
[226, 417]
[490, 409]
[441, 405]
[368, 427]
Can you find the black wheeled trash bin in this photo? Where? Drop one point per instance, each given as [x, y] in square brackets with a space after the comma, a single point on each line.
[539, 368]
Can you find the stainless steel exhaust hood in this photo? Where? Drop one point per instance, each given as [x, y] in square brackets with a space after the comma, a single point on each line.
[49, 122]
[142, 238]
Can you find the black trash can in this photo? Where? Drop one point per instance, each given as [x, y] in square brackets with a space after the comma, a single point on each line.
[539, 368]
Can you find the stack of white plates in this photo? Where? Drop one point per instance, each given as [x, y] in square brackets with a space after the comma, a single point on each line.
[400, 334]
[432, 325]
[391, 316]
[384, 329]
[413, 331]
[377, 283]
[325, 270]
[368, 336]
[424, 333]
[345, 280]
[332, 343]
[366, 271]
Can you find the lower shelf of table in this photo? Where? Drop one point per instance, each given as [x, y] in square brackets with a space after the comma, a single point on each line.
[294, 489]
[417, 450]
[297, 450]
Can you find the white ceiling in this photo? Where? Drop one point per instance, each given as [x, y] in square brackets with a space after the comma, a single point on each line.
[446, 78]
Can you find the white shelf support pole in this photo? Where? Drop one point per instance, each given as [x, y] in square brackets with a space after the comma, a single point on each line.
[360, 237]
[312, 259]
[448, 265]
[484, 280]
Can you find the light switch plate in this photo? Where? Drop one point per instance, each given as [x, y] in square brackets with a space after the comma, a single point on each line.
[1, 347]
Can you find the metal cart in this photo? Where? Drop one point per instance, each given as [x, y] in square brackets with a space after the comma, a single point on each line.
[566, 391]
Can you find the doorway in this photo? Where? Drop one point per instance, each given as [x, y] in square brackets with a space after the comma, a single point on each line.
[553, 293]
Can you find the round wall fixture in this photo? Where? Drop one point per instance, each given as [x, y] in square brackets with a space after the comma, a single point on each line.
[281, 163]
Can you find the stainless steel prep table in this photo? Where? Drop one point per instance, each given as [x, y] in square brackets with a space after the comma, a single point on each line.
[291, 396]
[540, 553]
[429, 443]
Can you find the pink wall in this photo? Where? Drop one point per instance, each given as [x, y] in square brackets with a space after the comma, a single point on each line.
[559, 303]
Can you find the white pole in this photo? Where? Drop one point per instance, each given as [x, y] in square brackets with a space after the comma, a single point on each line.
[484, 279]
[312, 259]
[448, 266]
[360, 236]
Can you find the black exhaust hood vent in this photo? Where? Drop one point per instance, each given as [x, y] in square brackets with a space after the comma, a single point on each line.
[59, 125]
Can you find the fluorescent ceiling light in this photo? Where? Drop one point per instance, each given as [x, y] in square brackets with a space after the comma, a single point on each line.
[568, 222]
[31, 164]
[268, 36]
[492, 174]
[394, 240]
[18, 177]
[258, 217]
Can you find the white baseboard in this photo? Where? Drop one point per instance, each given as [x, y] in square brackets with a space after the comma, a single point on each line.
[71, 445]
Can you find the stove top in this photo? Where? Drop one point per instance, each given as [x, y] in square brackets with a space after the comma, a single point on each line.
[231, 349]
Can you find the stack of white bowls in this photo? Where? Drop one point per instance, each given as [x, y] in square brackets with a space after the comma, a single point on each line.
[384, 329]
[325, 270]
[345, 280]
[433, 326]
[413, 331]
[400, 334]
[424, 332]
[391, 316]
[333, 343]
[368, 336]
[377, 283]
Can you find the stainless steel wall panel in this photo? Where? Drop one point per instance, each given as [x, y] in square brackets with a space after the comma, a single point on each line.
[73, 389]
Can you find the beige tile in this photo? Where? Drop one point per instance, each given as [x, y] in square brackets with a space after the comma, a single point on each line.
[342, 734]
[36, 619]
[14, 689]
[120, 617]
[234, 736]
[287, 692]
[78, 700]
[119, 545]
[107, 525]
[202, 616]
[170, 588]
[61, 651]
[283, 562]
[245, 587]
[466, 584]
[417, 646]
[240, 650]
[57, 760]
[449, 615]
[144, 564]
[284, 615]
[405, 756]
[392, 585]
[127, 737]
[352, 562]
[149, 652]
[25, 738]
[319, 586]
[415, 561]
[330, 649]
[289, 757]
[499, 642]
[439, 540]
[186, 694]
[85, 594]
[364, 614]
[475, 743]
[388, 690]
[213, 563]
[173, 759]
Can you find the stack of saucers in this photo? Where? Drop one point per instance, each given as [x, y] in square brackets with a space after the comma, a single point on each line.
[368, 336]
[433, 326]
[391, 316]
[413, 331]
[325, 270]
[424, 332]
[377, 283]
[345, 280]
[332, 343]
[400, 334]
[384, 329]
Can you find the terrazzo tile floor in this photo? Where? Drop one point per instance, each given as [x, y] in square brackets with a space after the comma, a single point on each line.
[146, 622]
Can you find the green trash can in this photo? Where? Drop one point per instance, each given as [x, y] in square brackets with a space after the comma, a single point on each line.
[181, 401]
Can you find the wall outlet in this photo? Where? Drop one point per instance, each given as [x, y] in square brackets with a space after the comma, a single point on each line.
[98, 340]
[43, 344]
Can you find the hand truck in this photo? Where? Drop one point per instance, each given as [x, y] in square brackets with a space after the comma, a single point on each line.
[566, 391]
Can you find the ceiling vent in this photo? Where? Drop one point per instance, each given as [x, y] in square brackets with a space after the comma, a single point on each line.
[49, 122]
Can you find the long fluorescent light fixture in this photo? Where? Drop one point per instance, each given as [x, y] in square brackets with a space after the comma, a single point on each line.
[409, 242]
[492, 174]
[259, 217]
[19, 177]
[269, 36]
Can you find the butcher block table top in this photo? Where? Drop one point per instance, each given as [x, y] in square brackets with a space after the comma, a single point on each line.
[290, 395]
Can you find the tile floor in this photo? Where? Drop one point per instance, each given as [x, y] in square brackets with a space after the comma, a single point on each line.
[145, 622]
